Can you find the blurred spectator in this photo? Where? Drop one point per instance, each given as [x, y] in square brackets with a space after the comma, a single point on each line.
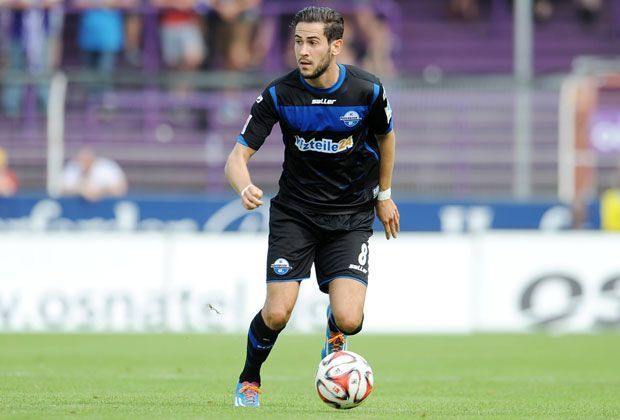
[8, 180]
[352, 47]
[608, 201]
[93, 177]
[237, 33]
[589, 10]
[610, 204]
[34, 27]
[543, 10]
[375, 33]
[182, 41]
[463, 9]
[101, 33]
[133, 36]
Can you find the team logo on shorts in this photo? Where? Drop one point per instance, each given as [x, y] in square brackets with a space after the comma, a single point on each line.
[350, 119]
[281, 266]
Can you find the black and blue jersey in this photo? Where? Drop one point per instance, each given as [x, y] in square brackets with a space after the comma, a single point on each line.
[331, 157]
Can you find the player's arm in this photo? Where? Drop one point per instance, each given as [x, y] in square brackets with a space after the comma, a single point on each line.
[383, 127]
[387, 211]
[238, 175]
[257, 127]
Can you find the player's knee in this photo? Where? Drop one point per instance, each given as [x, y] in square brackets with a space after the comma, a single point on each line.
[276, 318]
[350, 324]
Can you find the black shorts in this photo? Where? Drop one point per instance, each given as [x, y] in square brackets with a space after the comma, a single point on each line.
[336, 244]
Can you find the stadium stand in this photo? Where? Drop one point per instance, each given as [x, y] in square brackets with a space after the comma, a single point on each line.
[168, 142]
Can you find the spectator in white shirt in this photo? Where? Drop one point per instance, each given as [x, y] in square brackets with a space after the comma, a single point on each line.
[93, 177]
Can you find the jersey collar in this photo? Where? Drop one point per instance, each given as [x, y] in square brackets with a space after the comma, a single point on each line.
[333, 88]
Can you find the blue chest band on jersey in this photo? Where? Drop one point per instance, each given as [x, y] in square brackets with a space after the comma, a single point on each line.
[323, 117]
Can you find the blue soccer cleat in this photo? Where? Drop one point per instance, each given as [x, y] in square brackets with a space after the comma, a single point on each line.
[246, 394]
[334, 341]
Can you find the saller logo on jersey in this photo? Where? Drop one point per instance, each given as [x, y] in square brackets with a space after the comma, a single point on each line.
[323, 145]
[323, 101]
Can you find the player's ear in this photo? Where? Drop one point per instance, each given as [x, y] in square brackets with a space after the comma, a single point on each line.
[336, 47]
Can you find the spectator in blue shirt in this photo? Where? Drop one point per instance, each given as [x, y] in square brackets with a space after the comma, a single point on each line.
[100, 35]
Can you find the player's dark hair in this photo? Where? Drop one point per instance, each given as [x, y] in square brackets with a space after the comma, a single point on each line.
[334, 22]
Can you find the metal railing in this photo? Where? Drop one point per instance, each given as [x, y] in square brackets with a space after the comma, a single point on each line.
[173, 132]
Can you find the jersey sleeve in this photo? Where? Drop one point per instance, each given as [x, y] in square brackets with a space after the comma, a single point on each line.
[261, 120]
[380, 117]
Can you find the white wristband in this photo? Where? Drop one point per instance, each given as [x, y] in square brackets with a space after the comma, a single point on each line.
[384, 195]
[243, 190]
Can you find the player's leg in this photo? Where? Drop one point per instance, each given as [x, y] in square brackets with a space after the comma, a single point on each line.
[262, 335]
[342, 271]
[289, 260]
[266, 326]
[346, 298]
[345, 313]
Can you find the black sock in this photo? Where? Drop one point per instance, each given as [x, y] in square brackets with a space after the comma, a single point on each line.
[261, 339]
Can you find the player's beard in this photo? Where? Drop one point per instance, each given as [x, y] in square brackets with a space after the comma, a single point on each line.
[321, 68]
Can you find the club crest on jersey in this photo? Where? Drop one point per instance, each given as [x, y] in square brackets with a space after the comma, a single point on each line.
[323, 145]
[350, 119]
[281, 266]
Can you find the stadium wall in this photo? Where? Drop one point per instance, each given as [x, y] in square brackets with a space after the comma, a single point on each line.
[419, 283]
[199, 214]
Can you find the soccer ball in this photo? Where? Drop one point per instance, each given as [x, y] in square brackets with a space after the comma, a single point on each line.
[344, 379]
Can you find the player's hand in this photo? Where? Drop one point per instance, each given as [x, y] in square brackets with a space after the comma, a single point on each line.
[251, 197]
[387, 212]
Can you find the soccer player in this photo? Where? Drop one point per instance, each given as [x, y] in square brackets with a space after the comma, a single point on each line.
[337, 129]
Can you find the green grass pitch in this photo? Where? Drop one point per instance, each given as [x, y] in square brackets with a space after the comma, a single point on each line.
[193, 376]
